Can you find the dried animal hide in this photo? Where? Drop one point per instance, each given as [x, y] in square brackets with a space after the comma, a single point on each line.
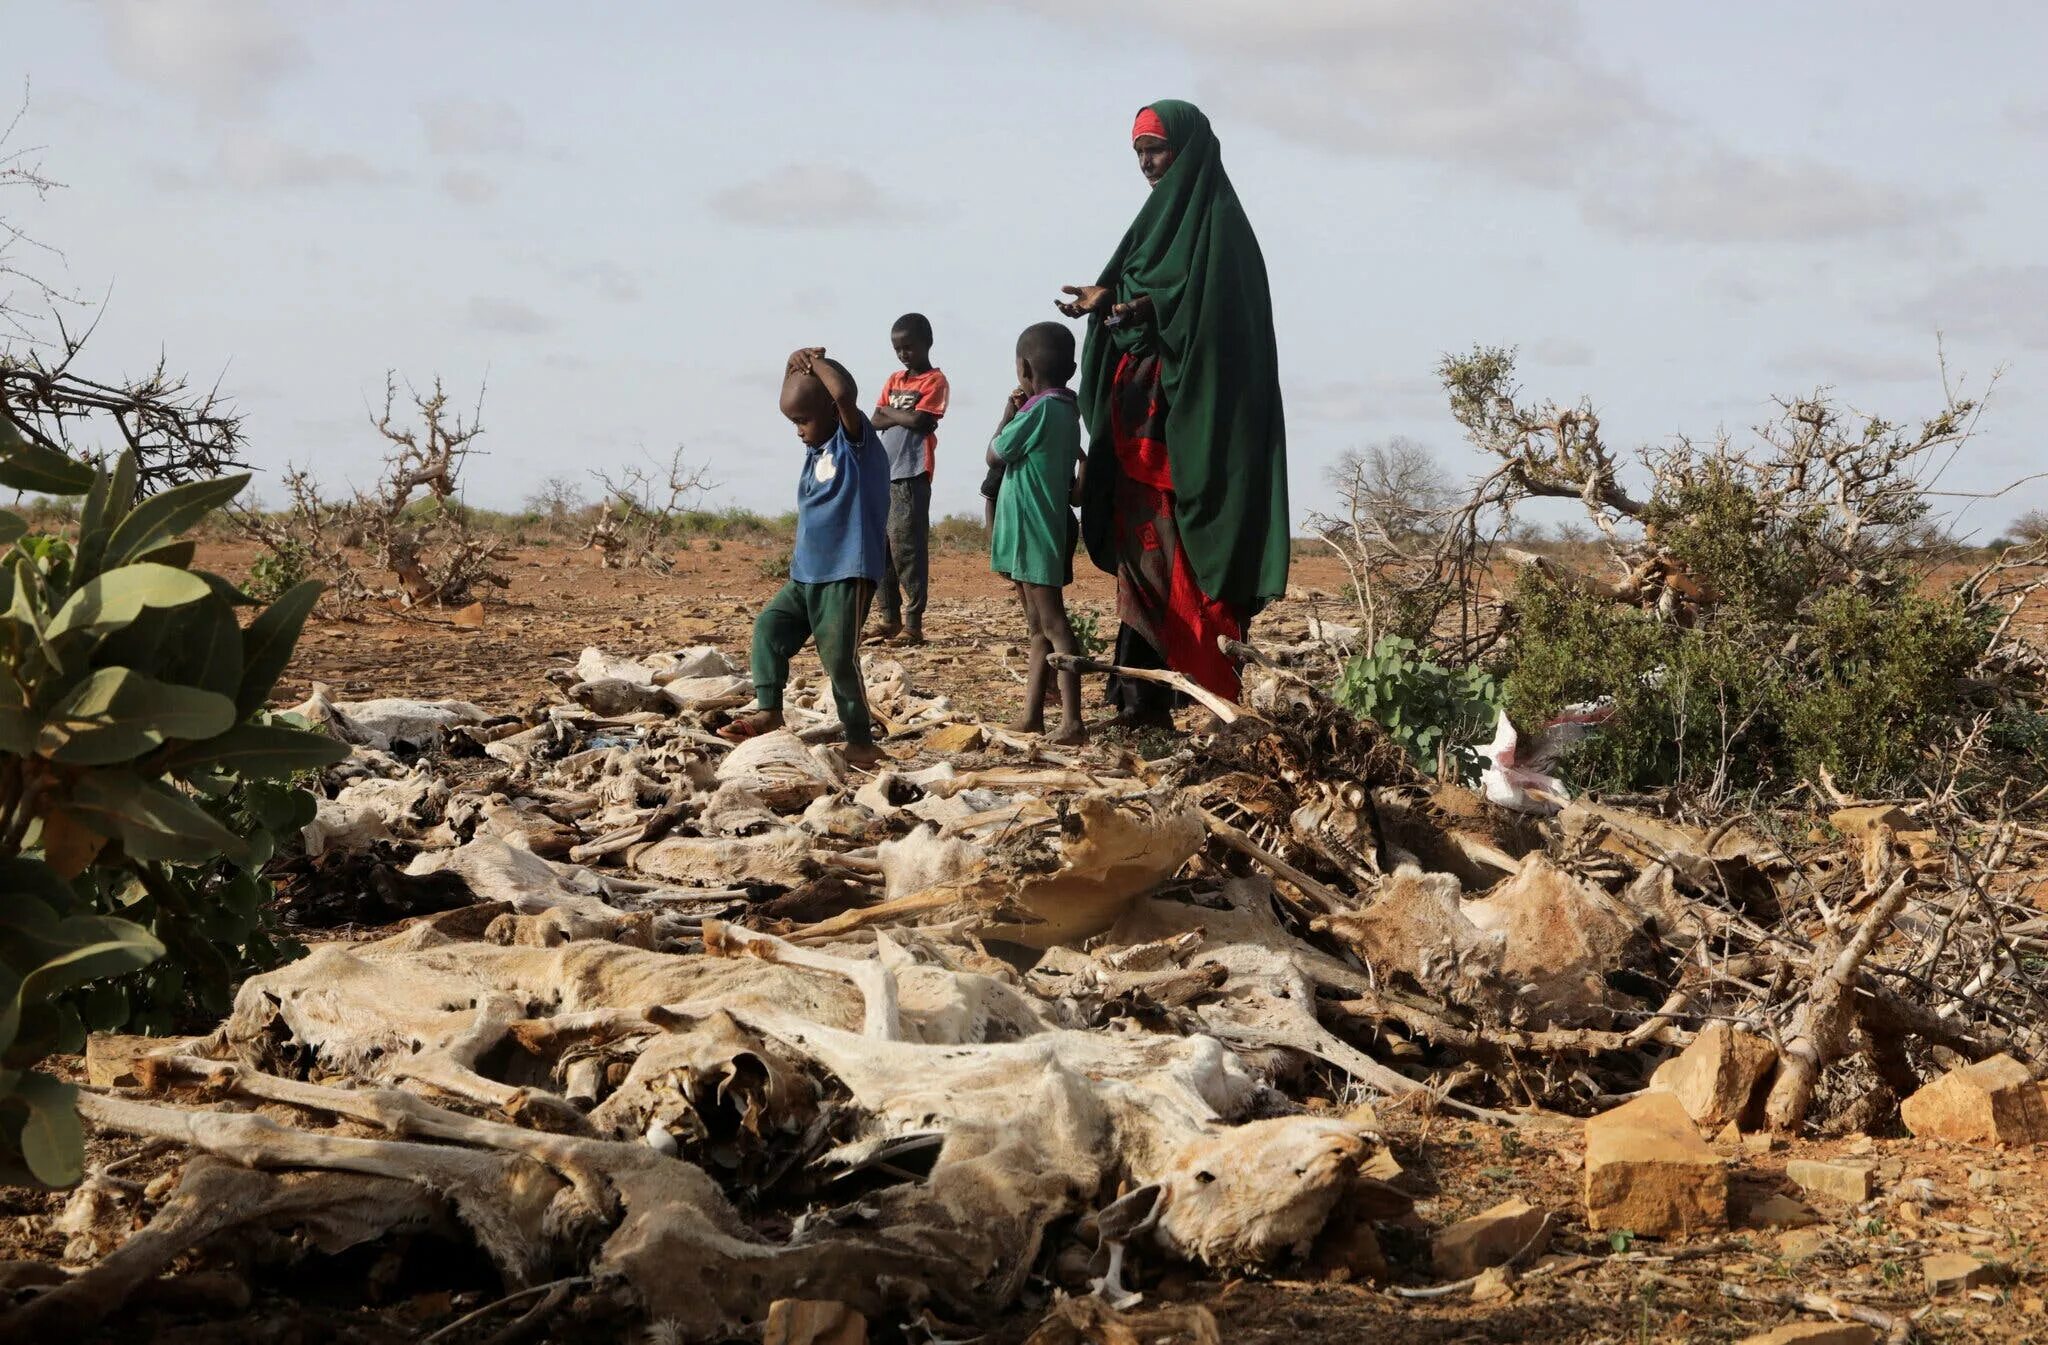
[780, 858]
[782, 770]
[387, 724]
[373, 810]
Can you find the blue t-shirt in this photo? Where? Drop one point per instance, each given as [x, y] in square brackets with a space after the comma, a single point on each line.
[842, 510]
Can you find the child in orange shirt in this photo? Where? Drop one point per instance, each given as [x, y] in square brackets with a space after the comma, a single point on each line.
[908, 413]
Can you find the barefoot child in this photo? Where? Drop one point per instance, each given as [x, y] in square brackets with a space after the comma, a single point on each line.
[842, 510]
[1032, 540]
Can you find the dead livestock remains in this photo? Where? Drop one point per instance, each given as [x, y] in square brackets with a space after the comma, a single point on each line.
[621, 1028]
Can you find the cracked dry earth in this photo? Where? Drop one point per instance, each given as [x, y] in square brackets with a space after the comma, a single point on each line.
[872, 1078]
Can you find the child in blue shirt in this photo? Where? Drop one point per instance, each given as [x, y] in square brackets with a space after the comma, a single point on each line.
[842, 518]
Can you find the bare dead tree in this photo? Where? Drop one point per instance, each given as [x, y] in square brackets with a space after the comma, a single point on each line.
[410, 523]
[176, 434]
[557, 501]
[21, 173]
[641, 506]
[1393, 503]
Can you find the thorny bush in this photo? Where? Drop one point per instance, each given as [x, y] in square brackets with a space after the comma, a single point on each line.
[1769, 616]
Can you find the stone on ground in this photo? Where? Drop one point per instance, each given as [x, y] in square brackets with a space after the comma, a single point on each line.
[956, 738]
[1780, 1212]
[1995, 1101]
[1719, 1077]
[1816, 1333]
[110, 1057]
[800, 1321]
[1490, 1239]
[1801, 1243]
[1954, 1272]
[1846, 1182]
[1648, 1171]
[1495, 1284]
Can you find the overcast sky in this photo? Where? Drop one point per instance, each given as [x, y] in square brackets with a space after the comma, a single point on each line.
[628, 214]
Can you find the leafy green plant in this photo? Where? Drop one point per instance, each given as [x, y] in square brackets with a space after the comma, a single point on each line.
[775, 566]
[1087, 626]
[45, 952]
[1430, 710]
[138, 771]
[1758, 696]
[278, 571]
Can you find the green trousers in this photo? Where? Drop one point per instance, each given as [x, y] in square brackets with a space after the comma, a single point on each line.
[831, 614]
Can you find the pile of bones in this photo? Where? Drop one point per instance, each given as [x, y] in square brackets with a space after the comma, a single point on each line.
[683, 1029]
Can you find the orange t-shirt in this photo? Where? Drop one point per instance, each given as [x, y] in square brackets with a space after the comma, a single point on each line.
[927, 392]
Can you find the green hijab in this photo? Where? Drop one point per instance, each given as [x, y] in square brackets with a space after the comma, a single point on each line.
[1192, 251]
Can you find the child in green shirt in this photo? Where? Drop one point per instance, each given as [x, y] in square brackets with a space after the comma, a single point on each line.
[1038, 446]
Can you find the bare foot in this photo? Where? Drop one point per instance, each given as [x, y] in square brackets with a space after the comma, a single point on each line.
[751, 726]
[864, 755]
[1028, 722]
[1071, 734]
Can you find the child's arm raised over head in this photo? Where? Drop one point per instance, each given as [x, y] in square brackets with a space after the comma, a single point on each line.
[838, 383]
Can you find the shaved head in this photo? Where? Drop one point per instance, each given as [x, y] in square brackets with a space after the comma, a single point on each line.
[803, 394]
[808, 406]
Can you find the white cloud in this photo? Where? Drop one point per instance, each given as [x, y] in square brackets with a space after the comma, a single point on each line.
[2029, 119]
[1817, 365]
[1512, 89]
[223, 55]
[258, 161]
[804, 196]
[463, 126]
[1724, 197]
[1996, 303]
[606, 279]
[1561, 352]
[469, 187]
[1362, 401]
[508, 317]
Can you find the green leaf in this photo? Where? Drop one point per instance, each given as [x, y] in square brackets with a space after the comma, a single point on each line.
[52, 1142]
[93, 527]
[151, 820]
[23, 609]
[259, 752]
[28, 466]
[160, 518]
[197, 645]
[177, 555]
[267, 644]
[119, 596]
[18, 729]
[21, 877]
[101, 946]
[226, 591]
[118, 714]
[280, 808]
[12, 525]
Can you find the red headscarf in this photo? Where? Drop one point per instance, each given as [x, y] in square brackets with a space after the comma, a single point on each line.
[1149, 124]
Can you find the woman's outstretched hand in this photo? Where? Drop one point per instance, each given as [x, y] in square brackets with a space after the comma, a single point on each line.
[1137, 311]
[1086, 299]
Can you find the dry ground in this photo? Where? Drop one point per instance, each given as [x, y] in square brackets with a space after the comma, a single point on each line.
[1993, 1204]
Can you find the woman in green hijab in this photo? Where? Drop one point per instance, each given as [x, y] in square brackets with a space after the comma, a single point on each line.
[1185, 496]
